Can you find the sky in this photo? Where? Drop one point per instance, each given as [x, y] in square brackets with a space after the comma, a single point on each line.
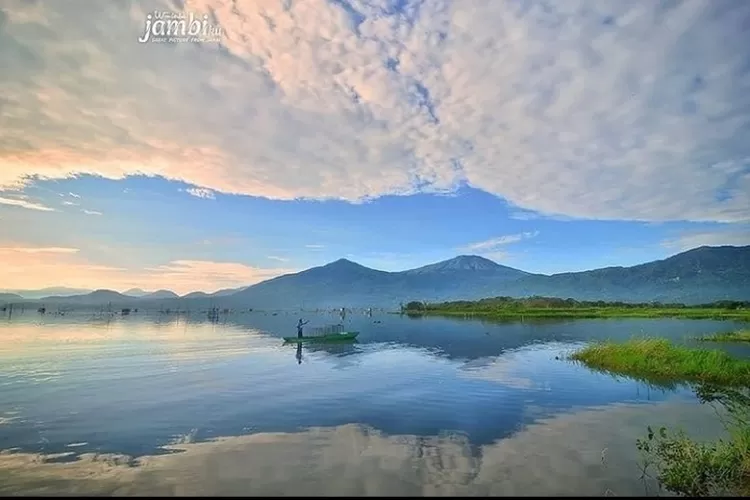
[548, 136]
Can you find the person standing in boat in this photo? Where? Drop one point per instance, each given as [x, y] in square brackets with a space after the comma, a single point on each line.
[300, 324]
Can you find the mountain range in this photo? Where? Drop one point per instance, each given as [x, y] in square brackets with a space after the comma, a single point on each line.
[42, 292]
[700, 275]
[74, 294]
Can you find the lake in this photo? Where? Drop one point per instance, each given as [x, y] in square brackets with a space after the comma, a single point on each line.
[178, 405]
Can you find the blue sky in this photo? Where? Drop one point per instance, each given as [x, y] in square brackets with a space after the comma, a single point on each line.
[547, 136]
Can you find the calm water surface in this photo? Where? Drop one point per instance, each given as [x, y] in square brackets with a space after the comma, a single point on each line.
[431, 406]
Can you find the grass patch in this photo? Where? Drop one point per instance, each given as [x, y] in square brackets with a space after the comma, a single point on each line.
[738, 336]
[690, 468]
[659, 360]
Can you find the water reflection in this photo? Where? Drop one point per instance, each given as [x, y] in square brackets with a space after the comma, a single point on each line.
[454, 338]
[427, 401]
[571, 454]
[336, 349]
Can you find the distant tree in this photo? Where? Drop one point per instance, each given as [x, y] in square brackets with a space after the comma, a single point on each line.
[415, 305]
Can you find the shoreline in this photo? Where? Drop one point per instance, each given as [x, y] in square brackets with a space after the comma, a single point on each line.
[600, 313]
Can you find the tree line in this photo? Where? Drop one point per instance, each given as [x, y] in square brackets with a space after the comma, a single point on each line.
[556, 302]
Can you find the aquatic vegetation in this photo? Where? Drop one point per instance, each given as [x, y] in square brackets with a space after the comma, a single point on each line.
[653, 359]
[594, 313]
[736, 336]
[690, 468]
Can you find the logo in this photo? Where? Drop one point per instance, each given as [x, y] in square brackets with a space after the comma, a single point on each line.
[179, 27]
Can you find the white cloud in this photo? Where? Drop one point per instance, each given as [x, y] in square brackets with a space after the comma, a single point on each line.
[495, 248]
[524, 215]
[39, 249]
[694, 239]
[91, 212]
[70, 203]
[201, 193]
[31, 267]
[280, 259]
[494, 243]
[503, 370]
[73, 195]
[189, 275]
[315, 247]
[618, 110]
[24, 203]
[530, 215]
[554, 454]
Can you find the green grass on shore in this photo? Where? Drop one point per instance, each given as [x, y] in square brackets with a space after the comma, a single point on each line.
[592, 313]
[738, 336]
[659, 360]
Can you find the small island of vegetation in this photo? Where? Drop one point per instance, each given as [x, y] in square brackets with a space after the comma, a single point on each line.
[552, 307]
[738, 336]
[659, 360]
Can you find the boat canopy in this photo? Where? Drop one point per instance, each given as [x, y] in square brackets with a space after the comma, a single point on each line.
[327, 329]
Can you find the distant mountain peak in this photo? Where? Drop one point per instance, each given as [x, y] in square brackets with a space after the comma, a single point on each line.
[472, 262]
[161, 294]
[343, 264]
[460, 263]
[58, 291]
[716, 250]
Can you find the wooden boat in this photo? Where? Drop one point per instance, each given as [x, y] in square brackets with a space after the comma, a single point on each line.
[333, 337]
[331, 333]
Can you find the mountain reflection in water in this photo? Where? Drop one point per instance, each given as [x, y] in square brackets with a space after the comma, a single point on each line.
[584, 453]
[427, 407]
